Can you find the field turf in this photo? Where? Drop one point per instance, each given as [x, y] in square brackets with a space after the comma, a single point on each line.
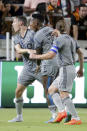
[34, 120]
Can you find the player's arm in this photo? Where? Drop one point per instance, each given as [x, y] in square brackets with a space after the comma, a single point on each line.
[49, 55]
[74, 27]
[46, 56]
[81, 59]
[19, 50]
[75, 32]
[28, 10]
[27, 7]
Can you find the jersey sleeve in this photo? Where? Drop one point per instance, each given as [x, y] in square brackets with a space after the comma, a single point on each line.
[16, 39]
[57, 45]
[77, 46]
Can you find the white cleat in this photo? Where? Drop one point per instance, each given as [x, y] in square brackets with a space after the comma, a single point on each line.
[16, 119]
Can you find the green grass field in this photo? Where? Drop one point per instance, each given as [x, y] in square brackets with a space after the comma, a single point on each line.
[34, 120]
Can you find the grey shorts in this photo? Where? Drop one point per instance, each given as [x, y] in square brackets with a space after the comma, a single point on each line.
[64, 81]
[49, 70]
[27, 77]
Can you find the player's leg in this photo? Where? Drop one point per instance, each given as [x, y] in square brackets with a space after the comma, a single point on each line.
[46, 83]
[18, 103]
[56, 97]
[47, 71]
[68, 102]
[68, 118]
[68, 78]
[58, 102]
[24, 80]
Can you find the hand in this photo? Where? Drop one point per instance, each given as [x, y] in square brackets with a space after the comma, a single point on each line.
[32, 56]
[79, 73]
[30, 51]
[56, 33]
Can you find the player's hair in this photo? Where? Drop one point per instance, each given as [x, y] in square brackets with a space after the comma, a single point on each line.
[82, 5]
[61, 26]
[38, 22]
[23, 19]
[39, 17]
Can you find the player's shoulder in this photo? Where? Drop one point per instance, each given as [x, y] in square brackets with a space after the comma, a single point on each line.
[44, 30]
[16, 36]
[47, 29]
[29, 31]
[59, 38]
[16, 39]
[29, 34]
[38, 34]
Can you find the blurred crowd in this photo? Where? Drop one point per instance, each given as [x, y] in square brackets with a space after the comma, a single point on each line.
[73, 11]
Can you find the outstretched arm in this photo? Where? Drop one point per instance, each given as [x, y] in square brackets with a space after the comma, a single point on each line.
[46, 56]
[19, 50]
[81, 59]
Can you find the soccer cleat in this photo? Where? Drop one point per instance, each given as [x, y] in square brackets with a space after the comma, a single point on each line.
[73, 122]
[50, 121]
[16, 119]
[60, 116]
[52, 118]
[68, 118]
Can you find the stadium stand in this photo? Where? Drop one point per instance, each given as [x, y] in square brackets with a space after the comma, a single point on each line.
[7, 11]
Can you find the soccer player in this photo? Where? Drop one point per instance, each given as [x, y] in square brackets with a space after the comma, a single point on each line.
[23, 44]
[66, 48]
[43, 41]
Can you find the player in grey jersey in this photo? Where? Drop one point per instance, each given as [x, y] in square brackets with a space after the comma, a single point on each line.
[66, 48]
[23, 44]
[43, 41]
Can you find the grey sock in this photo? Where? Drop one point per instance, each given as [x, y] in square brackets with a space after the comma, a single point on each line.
[52, 108]
[67, 110]
[68, 103]
[19, 105]
[58, 102]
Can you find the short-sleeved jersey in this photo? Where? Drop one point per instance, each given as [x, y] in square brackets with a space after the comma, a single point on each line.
[26, 42]
[66, 48]
[44, 41]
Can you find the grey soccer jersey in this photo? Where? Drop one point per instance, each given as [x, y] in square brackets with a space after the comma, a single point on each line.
[26, 42]
[66, 48]
[28, 74]
[44, 40]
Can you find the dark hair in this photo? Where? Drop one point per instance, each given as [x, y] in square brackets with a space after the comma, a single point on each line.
[23, 19]
[61, 26]
[38, 16]
[82, 5]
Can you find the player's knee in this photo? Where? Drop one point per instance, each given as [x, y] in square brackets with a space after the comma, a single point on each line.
[64, 94]
[51, 90]
[18, 93]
